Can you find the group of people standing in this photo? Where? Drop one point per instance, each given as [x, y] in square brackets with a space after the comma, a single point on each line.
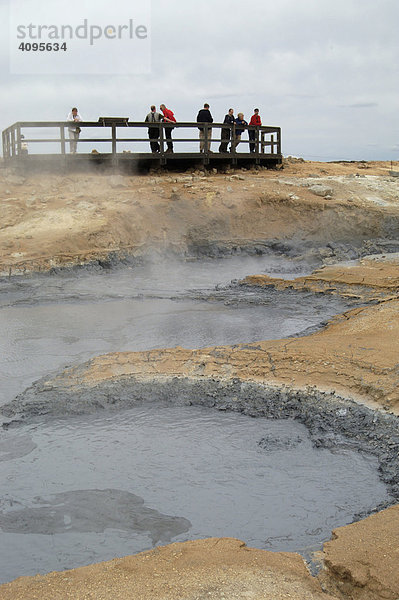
[204, 116]
[205, 132]
[228, 134]
[167, 116]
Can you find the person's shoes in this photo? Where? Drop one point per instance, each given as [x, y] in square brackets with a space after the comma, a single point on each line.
[169, 151]
[210, 151]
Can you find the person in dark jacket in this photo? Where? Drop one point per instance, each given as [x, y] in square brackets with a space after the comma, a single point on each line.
[204, 116]
[153, 131]
[255, 120]
[239, 130]
[226, 131]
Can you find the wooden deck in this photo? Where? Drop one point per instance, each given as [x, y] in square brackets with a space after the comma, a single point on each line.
[111, 143]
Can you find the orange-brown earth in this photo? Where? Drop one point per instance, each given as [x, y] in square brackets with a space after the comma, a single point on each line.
[71, 220]
[49, 220]
[360, 564]
[371, 278]
[205, 569]
[356, 356]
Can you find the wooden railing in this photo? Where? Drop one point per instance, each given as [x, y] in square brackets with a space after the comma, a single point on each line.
[20, 140]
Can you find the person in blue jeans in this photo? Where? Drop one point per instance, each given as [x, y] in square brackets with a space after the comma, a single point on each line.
[237, 139]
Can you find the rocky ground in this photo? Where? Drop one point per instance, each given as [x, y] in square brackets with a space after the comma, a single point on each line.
[325, 212]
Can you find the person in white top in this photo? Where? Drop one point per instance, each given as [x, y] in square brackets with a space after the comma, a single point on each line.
[74, 130]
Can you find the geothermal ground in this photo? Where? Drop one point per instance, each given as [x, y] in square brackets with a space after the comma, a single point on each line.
[335, 227]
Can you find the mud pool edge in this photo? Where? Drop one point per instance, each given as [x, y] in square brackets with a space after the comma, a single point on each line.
[332, 421]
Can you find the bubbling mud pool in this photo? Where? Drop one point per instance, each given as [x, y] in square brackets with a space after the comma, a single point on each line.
[99, 486]
[83, 489]
[50, 321]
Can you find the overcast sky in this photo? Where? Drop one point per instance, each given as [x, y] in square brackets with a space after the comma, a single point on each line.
[326, 71]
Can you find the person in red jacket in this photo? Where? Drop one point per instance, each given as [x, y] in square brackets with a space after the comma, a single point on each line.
[168, 117]
[255, 120]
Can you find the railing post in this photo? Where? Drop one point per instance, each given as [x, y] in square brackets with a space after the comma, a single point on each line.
[162, 142]
[206, 152]
[272, 144]
[262, 144]
[18, 130]
[62, 136]
[113, 134]
[13, 142]
[7, 141]
[233, 141]
[257, 141]
[278, 141]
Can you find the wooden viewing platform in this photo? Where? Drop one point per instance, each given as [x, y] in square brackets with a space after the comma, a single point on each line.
[116, 146]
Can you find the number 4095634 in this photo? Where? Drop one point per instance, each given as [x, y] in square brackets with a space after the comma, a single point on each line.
[42, 47]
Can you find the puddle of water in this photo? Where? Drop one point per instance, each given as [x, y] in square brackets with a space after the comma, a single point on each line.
[95, 487]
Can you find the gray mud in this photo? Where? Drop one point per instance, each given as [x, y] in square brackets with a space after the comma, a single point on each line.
[91, 511]
[159, 277]
[311, 251]
[103, 485]
[48, 507]
[16, 447]
[50, 321]
[332, 421]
